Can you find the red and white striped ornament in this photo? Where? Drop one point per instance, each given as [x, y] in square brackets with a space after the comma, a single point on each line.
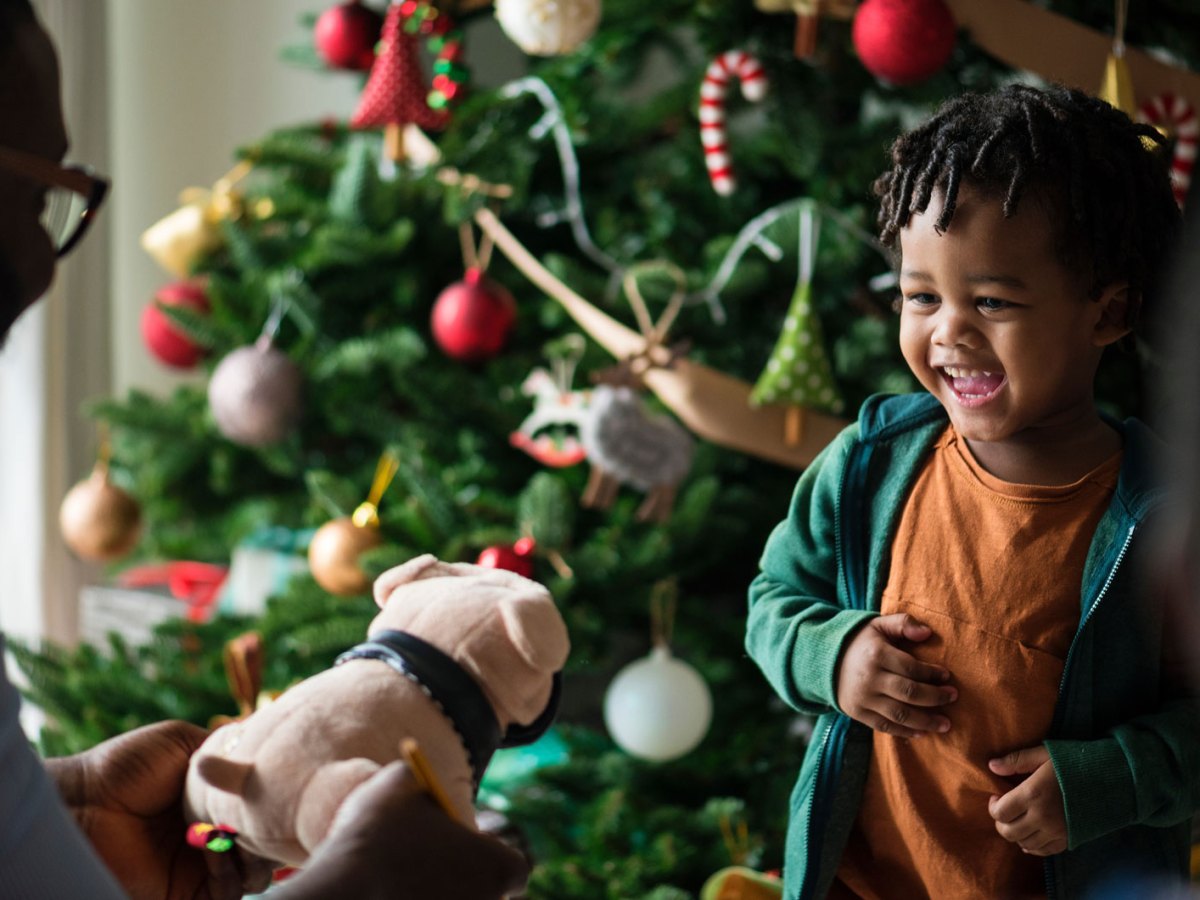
[1172, 111]
[749, 71]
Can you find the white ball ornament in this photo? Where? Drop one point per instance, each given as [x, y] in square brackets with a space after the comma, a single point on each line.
[254, 395]
[548, 27]
[658, 708]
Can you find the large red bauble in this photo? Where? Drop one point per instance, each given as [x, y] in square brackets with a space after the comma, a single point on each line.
[346, 35]
[517, 558]
[472, 318]
[162, 338]
[904, 41]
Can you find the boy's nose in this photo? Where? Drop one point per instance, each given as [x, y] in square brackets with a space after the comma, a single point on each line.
[953, 330]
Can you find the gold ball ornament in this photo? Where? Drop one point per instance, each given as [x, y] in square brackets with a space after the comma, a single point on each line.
[333, 555]
[99, 521]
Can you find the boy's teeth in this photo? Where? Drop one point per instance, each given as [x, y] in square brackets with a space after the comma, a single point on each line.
[955, 372]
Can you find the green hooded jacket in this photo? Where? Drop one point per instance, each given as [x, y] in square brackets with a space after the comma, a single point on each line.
[1125, 745]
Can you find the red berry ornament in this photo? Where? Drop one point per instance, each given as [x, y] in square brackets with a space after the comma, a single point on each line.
[903, 41]
[517, 558]
[472, 318]
[346, 35]
[168, 344]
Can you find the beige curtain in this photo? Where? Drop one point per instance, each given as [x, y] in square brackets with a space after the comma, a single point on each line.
[57, 357]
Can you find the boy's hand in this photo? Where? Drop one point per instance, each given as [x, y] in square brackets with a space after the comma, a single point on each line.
[888, 689]
[1031, 815]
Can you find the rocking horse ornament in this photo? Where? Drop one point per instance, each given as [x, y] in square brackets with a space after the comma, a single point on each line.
[550, 434]
[623, 440]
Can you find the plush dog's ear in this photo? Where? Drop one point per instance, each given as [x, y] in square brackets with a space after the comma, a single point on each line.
[537, 630]
[224, 774]
[401, 574]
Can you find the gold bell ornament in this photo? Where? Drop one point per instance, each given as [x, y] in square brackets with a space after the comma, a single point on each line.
[179, 241]
[334, 550]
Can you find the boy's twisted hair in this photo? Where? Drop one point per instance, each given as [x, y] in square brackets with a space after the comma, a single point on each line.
[1106, 190]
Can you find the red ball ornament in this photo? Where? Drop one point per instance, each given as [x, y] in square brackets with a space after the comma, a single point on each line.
[162, 338]
[346, 35]
[903, 41]
[517, 558]
[472, 318]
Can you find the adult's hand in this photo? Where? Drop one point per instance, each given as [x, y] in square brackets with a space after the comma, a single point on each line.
[888, 689]
[126, 795]
[390, 841]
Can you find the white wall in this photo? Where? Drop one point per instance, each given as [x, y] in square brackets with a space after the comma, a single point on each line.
[191, 81]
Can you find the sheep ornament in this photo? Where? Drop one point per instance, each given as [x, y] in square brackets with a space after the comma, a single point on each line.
[464, 659]
[625, 443]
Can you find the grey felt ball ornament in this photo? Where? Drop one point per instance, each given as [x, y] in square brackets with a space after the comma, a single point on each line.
[254, 395]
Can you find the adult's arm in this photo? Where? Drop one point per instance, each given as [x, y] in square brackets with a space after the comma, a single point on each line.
[42, 854]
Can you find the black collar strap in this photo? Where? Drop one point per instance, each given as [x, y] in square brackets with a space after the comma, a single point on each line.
[445, 683]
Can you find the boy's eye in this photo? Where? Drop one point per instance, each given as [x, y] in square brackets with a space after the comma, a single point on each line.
[992, 304]
[919, 299]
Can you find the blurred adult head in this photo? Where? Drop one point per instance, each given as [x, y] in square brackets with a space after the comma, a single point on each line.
[31, 123]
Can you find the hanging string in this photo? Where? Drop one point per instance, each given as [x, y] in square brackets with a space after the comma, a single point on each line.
[270, 329]
[104, 448]
[664, 599]
[738, 846]
[752, 235]
[367, 514]
[564, 355]
[655, 332]
[475, 256]
[1121, 14]
[554, 121]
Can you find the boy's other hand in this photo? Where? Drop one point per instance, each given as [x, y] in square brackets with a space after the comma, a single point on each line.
[1032, 814]
[886, 688]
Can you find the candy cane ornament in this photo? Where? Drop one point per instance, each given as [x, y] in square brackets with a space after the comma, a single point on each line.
[1172, 111]
[749, 72]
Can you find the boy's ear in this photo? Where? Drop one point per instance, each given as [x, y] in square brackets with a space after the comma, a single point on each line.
[1112, 324]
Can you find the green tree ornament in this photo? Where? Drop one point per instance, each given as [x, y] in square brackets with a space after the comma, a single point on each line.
[798, 372]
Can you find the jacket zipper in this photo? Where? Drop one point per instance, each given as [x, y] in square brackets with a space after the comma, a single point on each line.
[1087, 617]
[834, 742]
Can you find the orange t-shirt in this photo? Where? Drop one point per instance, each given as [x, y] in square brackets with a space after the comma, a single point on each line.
[995, 569]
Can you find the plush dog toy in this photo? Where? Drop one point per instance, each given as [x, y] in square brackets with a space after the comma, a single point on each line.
[463, 658]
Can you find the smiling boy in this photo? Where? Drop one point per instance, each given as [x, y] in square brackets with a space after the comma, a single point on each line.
[951, 592]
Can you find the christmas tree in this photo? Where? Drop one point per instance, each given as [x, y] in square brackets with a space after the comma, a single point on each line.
[349, 321]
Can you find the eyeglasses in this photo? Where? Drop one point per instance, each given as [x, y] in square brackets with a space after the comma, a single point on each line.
[73, 198]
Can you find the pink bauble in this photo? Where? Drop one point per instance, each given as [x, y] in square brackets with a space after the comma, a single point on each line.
[472, 318]
[904, 41]
[162, 338]
[255, 395]
[346, 35]
[517, 558]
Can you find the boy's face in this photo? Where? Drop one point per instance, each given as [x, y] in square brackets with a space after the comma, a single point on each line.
[995, 327]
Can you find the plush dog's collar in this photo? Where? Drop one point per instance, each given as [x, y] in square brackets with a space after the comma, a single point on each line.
[445, 683]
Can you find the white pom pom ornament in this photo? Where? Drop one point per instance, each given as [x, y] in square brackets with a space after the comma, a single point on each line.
[254, 394]
[548, 27]
[658, 708]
